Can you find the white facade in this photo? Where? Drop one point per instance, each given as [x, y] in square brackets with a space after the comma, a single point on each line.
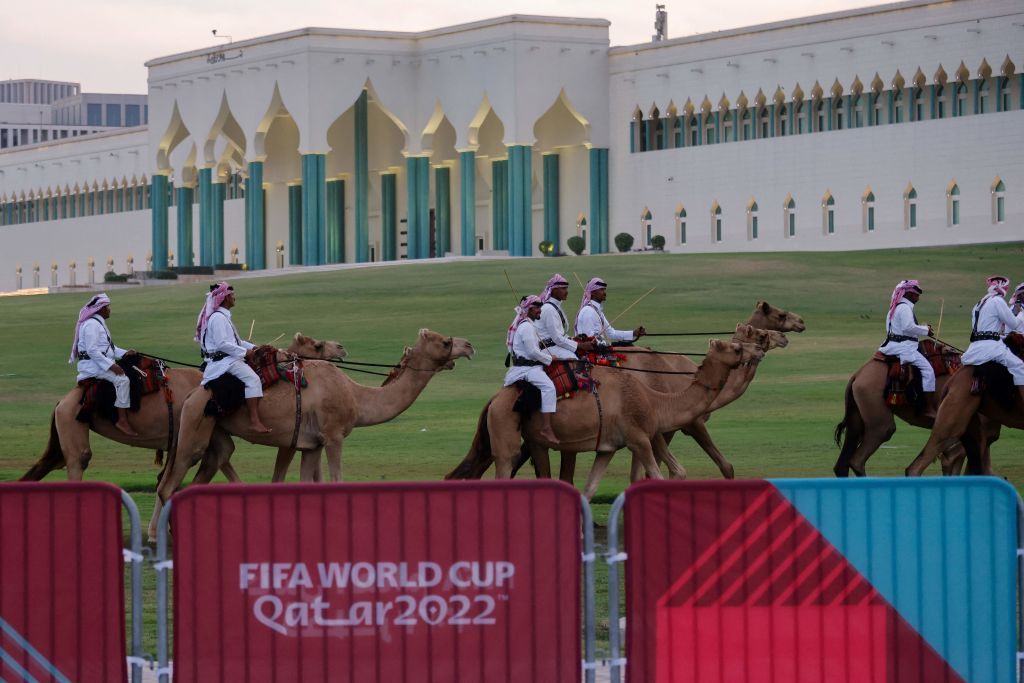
[825, 162]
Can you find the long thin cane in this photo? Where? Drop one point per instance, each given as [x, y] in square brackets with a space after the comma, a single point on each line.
[942, 306]
[626, 310]
[514, 292]
[251, 328]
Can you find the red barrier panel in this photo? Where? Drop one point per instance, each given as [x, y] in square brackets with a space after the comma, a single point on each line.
[61, 583]
[377, 582]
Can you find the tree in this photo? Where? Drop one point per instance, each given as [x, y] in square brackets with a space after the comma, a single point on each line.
[658, 242]
[576, 244]
[623, 241]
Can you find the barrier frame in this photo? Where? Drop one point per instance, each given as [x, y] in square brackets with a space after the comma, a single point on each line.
[614, 558]
[163, 564]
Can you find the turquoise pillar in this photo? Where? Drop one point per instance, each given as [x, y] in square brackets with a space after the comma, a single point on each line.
[362, 242]
[551, 206]
[443, 209]
[976, 87]
[467, 194]
[418, 190]
[255, 218]
[388, 217]
[1020, 91]
[499, 204]
[933, 98]
[335, 221]
[830, 113]
[520, 200]
[598, 200]
[217, 217]
[295, 225]
[186, 195]
[999, 93]
[891, 102]
[159, 193]
[206, 217]
[771, 120]
[314, 208]
[736, 123]
[718, 126]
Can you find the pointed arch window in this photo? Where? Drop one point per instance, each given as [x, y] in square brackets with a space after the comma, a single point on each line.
[752, 220]
[789, 217]
[819, 115]
[681, 224]
[645, 226]
[716, 223]
[960, 100]
[897, 105]
[910, 209]
[940, 101]
[765, 123]
[694, 131]
[747, 125]
[709, 128]
[857, 115]
[868, 213]
[727, 125]
[983, 92]
[998, 201]
[918, 104]
[953, 205]
[1004, 93]
[828, 214]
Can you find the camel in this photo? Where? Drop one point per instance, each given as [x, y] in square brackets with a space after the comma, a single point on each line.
[764, 317]
[868, 421]
[332, 406]
[954, 417]
[632, 415]
[68, 445]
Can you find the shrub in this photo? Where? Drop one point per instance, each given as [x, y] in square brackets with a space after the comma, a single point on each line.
[546, 247]
[111, 276]
[658, 242]
[576, 244]
[623, 241]
[162, 275]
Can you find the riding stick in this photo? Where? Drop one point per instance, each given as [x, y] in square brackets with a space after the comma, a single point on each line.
[942, 305]
[276, 338]
[608, 324]
[251, 328]
[579, 281]
[514, 292]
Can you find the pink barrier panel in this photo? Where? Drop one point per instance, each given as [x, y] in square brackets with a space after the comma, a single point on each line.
[61, 583]
[391, 582]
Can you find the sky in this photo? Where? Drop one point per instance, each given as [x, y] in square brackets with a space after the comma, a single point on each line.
[103, 44]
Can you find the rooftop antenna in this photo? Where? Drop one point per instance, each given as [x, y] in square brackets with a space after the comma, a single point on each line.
[660, 24]
[230, 39]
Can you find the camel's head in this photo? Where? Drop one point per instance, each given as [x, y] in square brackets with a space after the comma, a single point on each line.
[442, 351]
[766, 339]
[307, 347]
[776, 340]
[728, 354]
[768, 317]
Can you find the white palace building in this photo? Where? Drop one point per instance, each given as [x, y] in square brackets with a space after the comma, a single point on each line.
[891, 126]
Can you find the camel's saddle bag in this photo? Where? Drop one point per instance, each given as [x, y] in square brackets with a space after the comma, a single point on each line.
[145, 376]
[569, 378]
[993, 378]
[229, 392]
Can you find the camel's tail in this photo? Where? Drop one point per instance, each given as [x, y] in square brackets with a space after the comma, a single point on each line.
[479, 457]
[51, 459]
[846, 438]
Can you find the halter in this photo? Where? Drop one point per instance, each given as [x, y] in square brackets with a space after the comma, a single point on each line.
[451, 352]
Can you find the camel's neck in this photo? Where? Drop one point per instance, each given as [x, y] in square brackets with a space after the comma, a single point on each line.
[673, 410]
[737, 383]
[375, 405]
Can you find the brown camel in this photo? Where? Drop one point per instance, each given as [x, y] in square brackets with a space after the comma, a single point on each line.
[869, 422]
[632, 415]
[956, 412]
[764, 317]
[332, 406]
[68, 445]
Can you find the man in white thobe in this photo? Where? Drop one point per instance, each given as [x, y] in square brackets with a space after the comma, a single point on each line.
[591, 321]
[553, 327]
[902, 331]
[529, 359]
[97, 355]
[991, 319]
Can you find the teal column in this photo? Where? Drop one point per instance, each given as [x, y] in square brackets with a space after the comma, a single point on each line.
[771, 120]
[890, 118]
[870, 113]
[443, 209]
[217, 218]
[206, 217]
[551, 205]
[1020, 91]
[520, 200]
[598, 200]
[999, 93]
[718, 126]
[159, 193]
[736, 123]
[418, 189]
[186, 195]
[388, 217]
[362, 188]
[295, 225]
[830, 113]
[701, 124]
[335, 221]
[632, 137]
[976, 86]
[314, 208]
[790, 108]
[467, 194]
[932, 97]
[499, 204]
[255, 218]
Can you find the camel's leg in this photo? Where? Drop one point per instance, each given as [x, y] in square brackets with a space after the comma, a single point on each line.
[309, 465]
[52, 457]
[697, 430]
[663, 454]
[217, 457]
[955, 414]
[283, 462]
[567, 467]
[597, 471]
[194, 436]
[541, 461]
[506, 438]
[74, 439]
[876, 431]
[852, 434]
[641, 449]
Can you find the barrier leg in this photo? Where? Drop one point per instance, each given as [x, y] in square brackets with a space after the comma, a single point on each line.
[614, 558]
[162, 567]
[589, 617]
[1020, 589]
[134, 555]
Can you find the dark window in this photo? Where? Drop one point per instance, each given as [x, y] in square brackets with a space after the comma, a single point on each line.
[113, 114]
[131, 115]
[94, 115]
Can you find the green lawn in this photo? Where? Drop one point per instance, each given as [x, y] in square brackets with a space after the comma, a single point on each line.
[782, 427]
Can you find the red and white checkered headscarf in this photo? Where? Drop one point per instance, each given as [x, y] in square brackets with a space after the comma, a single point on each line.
[998, 284]
[556, 281]
[95, 305]
[214, 299]
[521, 310]
[897, 294]
[1018, 294]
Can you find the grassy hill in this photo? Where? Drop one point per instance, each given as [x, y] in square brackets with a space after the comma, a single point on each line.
[782, 427]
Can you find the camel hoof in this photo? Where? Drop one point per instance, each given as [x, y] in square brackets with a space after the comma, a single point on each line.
[729, 472]
[841, 472]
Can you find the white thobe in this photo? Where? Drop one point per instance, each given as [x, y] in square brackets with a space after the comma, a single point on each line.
[526, 346]
[993, 315]
[902, 323]
[94, 339]
[221, 336]
[552, 327]
[591, 322]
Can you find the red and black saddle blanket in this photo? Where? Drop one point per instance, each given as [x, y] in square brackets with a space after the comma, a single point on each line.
[995, 380]
[903, 382]
[229, 392]
[569, 377]
[145, 376]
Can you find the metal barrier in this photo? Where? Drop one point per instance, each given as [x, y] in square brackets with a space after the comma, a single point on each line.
[377, 582]
[62, 602]
[803, 580]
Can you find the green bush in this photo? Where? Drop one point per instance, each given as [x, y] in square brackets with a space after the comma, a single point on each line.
[111, 276]
[546, 247]
[658, 242]
[162, 275]
[576, 244]
[623, 242]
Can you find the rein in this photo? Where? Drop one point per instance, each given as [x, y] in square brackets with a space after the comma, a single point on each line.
[167, 360]
[947, 344]
[656, 353]
[684, 334]
[654, 372]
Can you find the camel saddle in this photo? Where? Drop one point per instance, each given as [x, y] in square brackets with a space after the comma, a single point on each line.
[903, 381]
[995, 380]
[569, 378]
[229, 392]
[145, 376]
